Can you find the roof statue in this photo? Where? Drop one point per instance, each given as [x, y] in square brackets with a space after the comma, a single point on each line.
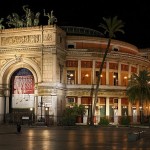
[51, 18]
[15, 20]
[29, 15]
[1, 26]
[36, 19]
[29, 19]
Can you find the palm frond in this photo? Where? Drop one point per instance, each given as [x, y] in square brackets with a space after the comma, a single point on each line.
[139, 86]
[112, 25]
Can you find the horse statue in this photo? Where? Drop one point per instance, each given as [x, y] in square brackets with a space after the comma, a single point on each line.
[2, 26]
[51, 18]
[19, 22]
[15, 20]
[10, 21]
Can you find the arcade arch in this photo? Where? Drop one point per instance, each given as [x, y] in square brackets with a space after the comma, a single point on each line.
[7, 71]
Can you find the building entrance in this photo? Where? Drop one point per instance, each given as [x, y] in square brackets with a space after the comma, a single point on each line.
[22, 94]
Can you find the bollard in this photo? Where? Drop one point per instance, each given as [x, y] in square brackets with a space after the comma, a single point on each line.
[18, 128]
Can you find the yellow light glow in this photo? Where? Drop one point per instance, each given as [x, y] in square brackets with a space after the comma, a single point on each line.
[87, 75]
[125, 77]
[114, 76]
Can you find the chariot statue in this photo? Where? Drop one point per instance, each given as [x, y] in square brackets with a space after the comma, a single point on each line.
[15, 20]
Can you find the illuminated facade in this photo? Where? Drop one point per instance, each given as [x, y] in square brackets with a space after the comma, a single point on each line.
[45, 68]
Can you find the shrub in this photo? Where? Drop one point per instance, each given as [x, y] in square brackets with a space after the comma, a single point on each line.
[68, 121]
[70, 114]
[104, 121]
[125, 120]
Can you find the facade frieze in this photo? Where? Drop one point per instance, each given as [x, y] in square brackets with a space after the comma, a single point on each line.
[115, 56]
[87, 93]
[12, 50]
[26, 39]
[48, 90]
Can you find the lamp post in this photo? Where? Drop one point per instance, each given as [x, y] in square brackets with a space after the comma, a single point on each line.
[41, 109]
[31, 109]
[141, 114]
[47, 115]
[42, 105]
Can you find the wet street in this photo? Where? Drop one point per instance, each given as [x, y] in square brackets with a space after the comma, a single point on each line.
[72, 138]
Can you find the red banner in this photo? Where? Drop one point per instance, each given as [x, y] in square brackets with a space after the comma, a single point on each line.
[23, 85]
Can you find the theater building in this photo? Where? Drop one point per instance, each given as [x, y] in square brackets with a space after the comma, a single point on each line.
[45, 68]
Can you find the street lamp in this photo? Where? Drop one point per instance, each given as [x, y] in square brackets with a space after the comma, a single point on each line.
[41, 104]
[47, 115]
[31, 110]
[141, 114]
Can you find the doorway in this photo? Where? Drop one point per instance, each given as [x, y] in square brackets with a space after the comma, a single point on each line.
[22, 95]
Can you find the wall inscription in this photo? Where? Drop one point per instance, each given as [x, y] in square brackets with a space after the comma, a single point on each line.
[20, 40]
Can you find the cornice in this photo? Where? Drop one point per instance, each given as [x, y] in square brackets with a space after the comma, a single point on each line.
[104, 93]
[112, 55]
[104, 41]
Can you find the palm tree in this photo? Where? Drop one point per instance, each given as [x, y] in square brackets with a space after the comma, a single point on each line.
[111, 26]
[138, 89]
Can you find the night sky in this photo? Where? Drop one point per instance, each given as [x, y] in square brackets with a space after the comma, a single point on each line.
[135, 14]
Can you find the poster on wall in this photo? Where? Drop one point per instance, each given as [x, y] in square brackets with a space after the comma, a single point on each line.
[22, 100]
[23, 90]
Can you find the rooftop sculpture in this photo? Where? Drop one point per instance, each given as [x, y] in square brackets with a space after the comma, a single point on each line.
[29, 19]
[51, 18]
[1, 26]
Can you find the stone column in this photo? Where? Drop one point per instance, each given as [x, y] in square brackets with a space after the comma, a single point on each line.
[138, 69]
[35, 106]
[1, 109]
[79, 71]
[107, 73]
[93, 72]
[129, 72]
[54, 107]
[119, 106]
[129, 109]
[119, 74]
[107, 107]
[7, 104]
[79, 100]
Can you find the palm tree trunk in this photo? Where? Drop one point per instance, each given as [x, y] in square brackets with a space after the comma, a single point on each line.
[98, 82]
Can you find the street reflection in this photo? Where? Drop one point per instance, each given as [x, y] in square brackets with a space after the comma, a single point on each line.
[60, 138]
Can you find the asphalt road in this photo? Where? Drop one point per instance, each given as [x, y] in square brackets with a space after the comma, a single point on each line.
[72, 138]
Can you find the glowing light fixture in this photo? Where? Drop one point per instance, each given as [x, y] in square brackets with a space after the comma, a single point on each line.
[125, 77]
[86, 75]
[114, 76]
[71, 75]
